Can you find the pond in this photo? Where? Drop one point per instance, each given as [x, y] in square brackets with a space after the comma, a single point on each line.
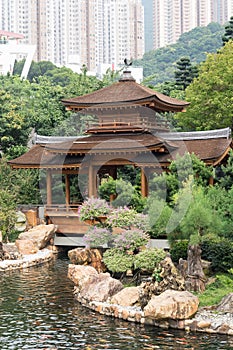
[38, 311]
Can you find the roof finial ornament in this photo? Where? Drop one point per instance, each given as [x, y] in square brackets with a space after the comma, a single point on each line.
[127, 63]
[126, 76]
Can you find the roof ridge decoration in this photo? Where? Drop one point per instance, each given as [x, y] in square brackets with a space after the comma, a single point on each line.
[196, 135]
[41, 139]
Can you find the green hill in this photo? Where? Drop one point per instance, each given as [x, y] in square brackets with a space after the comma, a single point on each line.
[195, 44]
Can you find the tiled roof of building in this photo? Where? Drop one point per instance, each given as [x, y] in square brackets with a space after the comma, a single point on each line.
[126, 91]
[210, 149]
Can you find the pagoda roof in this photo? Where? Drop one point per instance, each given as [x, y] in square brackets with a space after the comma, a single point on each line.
[110, 143]
[210, 146]
[126, 92]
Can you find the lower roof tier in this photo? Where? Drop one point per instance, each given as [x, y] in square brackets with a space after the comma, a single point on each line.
[142, 149]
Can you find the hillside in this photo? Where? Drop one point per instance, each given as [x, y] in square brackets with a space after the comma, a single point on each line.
[195, 44]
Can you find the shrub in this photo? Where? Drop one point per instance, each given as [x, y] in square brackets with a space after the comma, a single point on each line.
[123, 217]
[92, 208]
[219, 251]
[148, 259]
[179, 250]
[8, 216]
[117, 261]
[97, 236]
[130, 240]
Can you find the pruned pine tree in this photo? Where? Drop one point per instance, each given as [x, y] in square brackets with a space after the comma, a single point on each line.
[228, 35]
[185, 73]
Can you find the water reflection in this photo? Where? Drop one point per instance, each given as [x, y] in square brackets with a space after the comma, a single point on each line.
[38, 311]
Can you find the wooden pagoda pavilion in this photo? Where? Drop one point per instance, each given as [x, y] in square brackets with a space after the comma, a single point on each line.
[126, 128]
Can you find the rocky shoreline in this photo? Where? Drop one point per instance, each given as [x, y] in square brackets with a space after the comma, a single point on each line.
[41, 257]
[106, 295]
[172, 309]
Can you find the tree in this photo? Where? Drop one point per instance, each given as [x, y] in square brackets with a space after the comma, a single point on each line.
[159, 65]
[7, 213]
[168, 184]
[36, 70]
[210, 94]
[185, 73]
[226, 173]
[228, 35]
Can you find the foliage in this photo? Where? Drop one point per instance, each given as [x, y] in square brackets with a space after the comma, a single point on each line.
[107, 188]
[7, 213]
[214, 292]
[210, 94]
[199, 218]
[36, 70]
[228, 35]
[194, 44]
[35, 104]
[225, 177]
[167, 185]
[179, 250]
[124, 191]
[92, 208]
[148, 259]
[219, 251]
[23, 183]
[222, 207]
[97, 236]
[141, 221]
[185, 73]
[123, 217]
[130, 240]
[159, 214]
[117, 261]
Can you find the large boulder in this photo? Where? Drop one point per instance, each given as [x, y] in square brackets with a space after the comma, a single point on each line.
[126, 297]
[86, 256]
[36, 238]
[172, 304]
[226, 304]
[168, 277]
[91, 285]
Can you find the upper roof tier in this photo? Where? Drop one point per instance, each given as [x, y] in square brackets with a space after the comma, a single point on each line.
[126, 92]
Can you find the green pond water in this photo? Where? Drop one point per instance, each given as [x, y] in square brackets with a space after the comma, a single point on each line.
[38, 311]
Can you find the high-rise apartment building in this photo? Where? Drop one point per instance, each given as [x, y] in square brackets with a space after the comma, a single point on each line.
[78, 32]
[171, 18]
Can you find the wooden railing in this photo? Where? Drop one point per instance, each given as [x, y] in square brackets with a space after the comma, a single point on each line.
[121, 125]
[61, 209]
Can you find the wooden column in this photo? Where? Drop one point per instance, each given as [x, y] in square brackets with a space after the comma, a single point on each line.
[144, 184]
[67, 183]
[49, 186]
[92, 181]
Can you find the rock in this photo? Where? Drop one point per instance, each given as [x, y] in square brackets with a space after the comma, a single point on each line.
[35, 239]
[226, 304]
[93, 286]
[168, 277]
[21, 222]
[26, 246]
[195, 280]
[92, 257]
[126, 297]
[172, 304]
[80, 275]
[11, 251]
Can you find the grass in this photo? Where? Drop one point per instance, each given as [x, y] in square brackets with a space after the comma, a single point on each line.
[215, 291]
